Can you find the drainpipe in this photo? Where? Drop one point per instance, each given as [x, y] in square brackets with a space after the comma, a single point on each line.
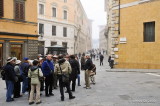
[119, 18]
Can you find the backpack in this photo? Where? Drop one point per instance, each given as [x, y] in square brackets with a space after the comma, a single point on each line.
[2, 73]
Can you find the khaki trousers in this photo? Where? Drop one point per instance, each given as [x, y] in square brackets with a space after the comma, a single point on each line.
[87, 75]
[33, 88]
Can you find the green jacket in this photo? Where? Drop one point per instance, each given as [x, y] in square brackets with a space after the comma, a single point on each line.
[34, 75]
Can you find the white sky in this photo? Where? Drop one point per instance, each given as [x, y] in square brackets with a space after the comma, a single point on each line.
[95, 11]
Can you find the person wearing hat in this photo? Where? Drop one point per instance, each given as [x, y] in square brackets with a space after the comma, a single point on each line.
[17, 85]
[88, 68]
[10, 78]
[25, 67]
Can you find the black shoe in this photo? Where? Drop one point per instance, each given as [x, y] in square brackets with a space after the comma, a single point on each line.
[72, 97]
[62, 99]
[30, 103]
[51, 94]
[79, 85]
[16, 96]
[39, 102]
[66, 91]
[47, 95]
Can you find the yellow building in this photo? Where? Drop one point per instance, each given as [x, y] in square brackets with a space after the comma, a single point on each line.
[135, 26]
[18, 29]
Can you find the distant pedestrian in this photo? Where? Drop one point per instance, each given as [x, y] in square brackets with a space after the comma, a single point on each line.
[83, 62]
[34, 73]
[101, 59]
[111, 62]
[10, 78]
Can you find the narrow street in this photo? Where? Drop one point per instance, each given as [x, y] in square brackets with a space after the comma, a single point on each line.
[111, 89]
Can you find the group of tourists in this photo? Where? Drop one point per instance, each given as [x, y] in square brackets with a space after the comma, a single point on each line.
[44, 73]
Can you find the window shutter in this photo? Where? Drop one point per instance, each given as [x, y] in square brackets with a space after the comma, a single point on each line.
[1, 9]
[22, 11]
[16, 10]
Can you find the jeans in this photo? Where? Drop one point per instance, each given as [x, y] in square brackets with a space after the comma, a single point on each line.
[10, 87]
[25, 84]
[78, 78]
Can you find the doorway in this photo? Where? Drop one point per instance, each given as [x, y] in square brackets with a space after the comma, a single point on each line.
[16, 51]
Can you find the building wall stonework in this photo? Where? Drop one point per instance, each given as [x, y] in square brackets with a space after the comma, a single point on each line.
[131, 51]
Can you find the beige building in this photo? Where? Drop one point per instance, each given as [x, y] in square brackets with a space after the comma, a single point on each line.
[64, 23]
[102, 39]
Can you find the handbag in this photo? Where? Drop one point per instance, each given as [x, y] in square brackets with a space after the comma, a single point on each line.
[41, 79]
[65, 77]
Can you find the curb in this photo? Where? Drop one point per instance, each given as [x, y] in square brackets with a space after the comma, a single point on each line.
[135, 70]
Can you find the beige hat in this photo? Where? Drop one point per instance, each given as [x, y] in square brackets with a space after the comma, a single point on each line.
[10, 59]
[18, 61]
[55, 56]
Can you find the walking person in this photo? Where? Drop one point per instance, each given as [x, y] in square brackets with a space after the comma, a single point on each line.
[101, 59]
[10, 78]
[83, 62]
[55, 79]
[88, 68]
[17, 85]
[48, 69]
[75, 70]
[63, 70]
[34, 73]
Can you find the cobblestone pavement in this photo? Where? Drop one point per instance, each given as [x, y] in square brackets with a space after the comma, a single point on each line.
[112, 88]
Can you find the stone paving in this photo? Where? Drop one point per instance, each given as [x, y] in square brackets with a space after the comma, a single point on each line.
[112, 88]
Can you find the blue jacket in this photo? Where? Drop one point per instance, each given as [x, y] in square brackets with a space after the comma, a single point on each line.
[47, 68]
[24, 68]
[9, 72]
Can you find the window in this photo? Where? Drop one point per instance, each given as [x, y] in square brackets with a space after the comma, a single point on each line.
[53, 43]
[41, 9]
[53, 30]
[149, 32]
[65, 14]
[54, 10]
[65, 1]
[64, 32]
[19, 9]
[41, 28]
[1, 8]
[64, 44]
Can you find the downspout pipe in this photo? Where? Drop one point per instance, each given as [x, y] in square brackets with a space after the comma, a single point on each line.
[119, 17]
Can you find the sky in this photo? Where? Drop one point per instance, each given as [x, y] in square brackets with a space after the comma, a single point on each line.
[96, 12]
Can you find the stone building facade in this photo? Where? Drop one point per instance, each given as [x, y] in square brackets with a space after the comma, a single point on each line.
[61, 22]
[18, 29]
[134, 33]
[102, 39]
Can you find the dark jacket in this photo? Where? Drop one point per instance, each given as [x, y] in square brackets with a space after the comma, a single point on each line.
[88, 64]
[75, 68]
[101, 57]
[9, 72]
[47, 68]
[82, 63]
[25, 67]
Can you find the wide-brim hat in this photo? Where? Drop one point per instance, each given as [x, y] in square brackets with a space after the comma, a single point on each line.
[18, 61]
[10, 59]
[55, 56]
